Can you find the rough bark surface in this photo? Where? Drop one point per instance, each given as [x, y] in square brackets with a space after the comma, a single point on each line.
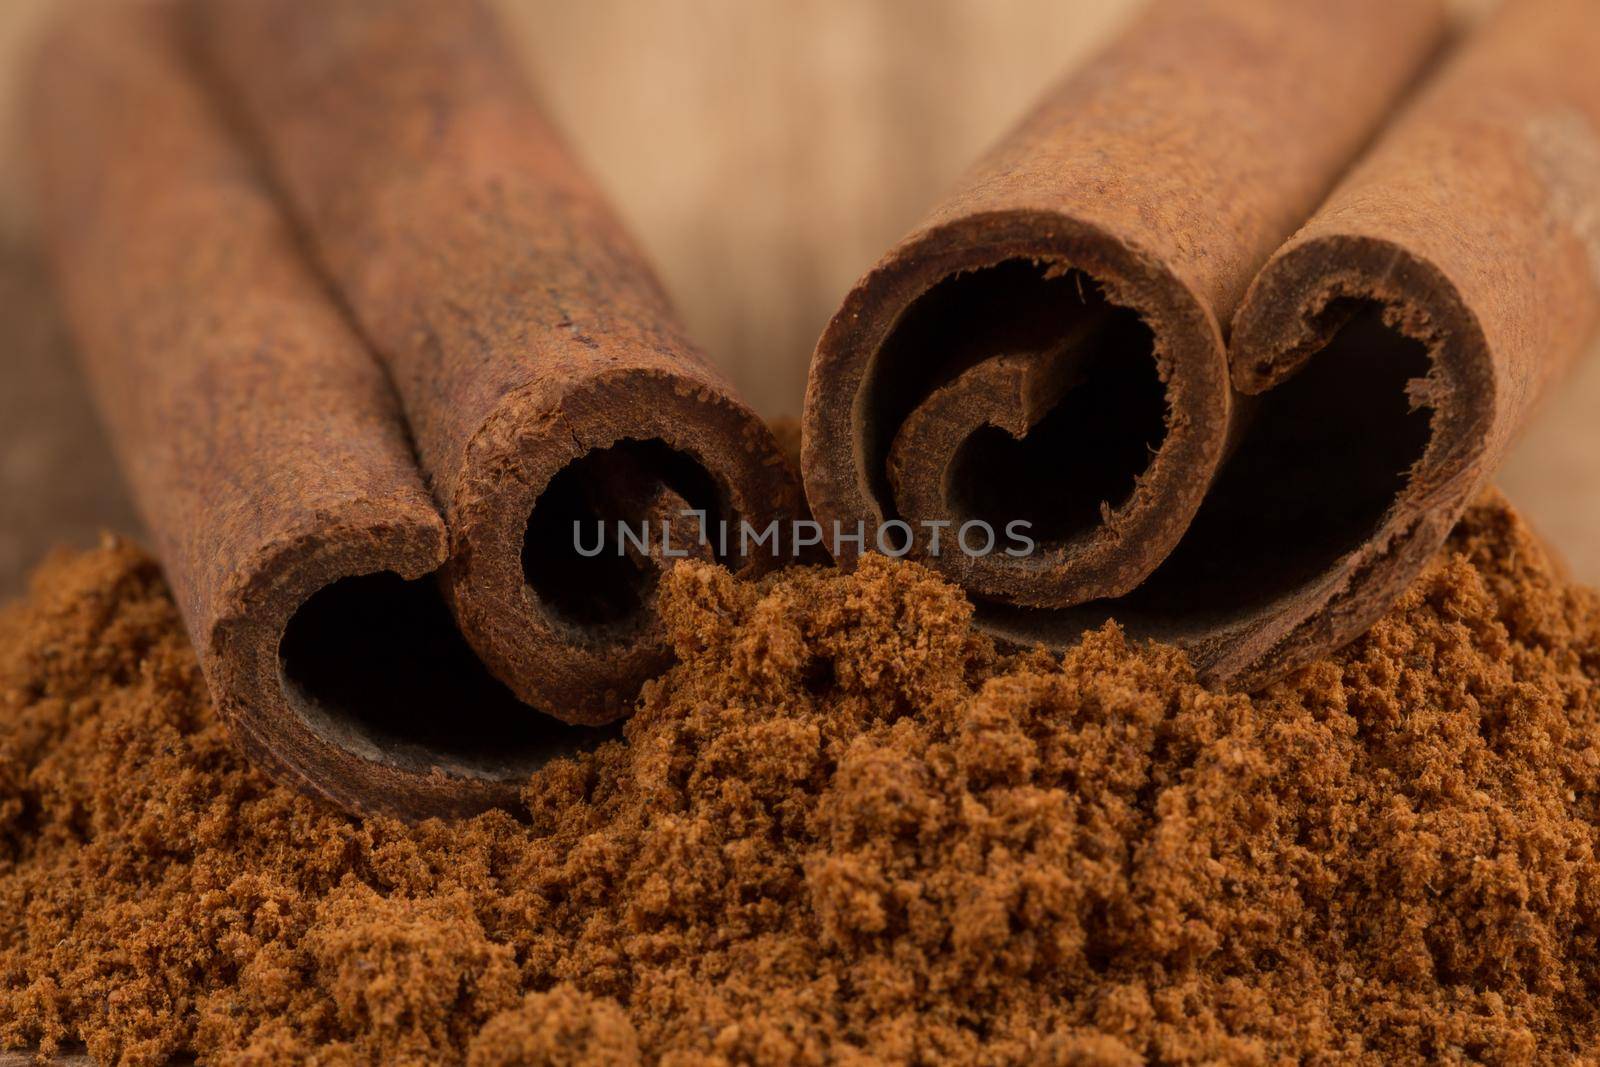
[521, 327]
[1298, 478]
[264, 448]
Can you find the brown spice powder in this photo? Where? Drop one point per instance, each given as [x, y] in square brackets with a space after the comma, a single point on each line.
[842, 829]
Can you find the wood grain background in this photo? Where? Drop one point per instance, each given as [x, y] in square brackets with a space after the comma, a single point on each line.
[765, 152]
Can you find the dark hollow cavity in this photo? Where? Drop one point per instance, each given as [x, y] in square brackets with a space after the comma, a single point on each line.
[1323, 457]
[1092, 446]
[610, 589]
[1087, 452]
[375, 665]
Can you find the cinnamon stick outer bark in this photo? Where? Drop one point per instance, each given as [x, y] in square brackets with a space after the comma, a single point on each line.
[1466, 243]
[1048, 344]
[531, 346]
[261, 441]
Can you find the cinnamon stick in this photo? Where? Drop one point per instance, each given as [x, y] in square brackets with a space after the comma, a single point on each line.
[261, 441]
[532, 348]
[1395, 345]
[1048, 347]
[1378, 367]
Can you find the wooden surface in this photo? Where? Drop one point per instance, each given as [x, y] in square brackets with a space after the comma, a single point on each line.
[765, 152]
[57, 480]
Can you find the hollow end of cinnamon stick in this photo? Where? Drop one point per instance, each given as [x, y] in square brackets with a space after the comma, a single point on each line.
[1368, 396]
[336, 664]
[1020, 365]
[548, 384]
[642, 452]
[1393, 349]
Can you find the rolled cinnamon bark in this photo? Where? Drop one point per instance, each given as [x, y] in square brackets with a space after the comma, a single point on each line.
[1394, 346]
[1046, 346]
[534, 352]
[261, 441]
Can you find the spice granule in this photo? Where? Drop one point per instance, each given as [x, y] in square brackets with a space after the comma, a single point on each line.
[843, 828]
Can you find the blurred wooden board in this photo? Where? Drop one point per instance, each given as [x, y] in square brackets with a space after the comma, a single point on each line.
[1553, 474]
[766, 153]
[58, 484]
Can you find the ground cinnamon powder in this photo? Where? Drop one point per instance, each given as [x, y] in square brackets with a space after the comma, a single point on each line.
[843, 829]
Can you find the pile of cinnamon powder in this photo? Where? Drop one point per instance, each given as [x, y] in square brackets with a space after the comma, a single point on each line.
[842, 830]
